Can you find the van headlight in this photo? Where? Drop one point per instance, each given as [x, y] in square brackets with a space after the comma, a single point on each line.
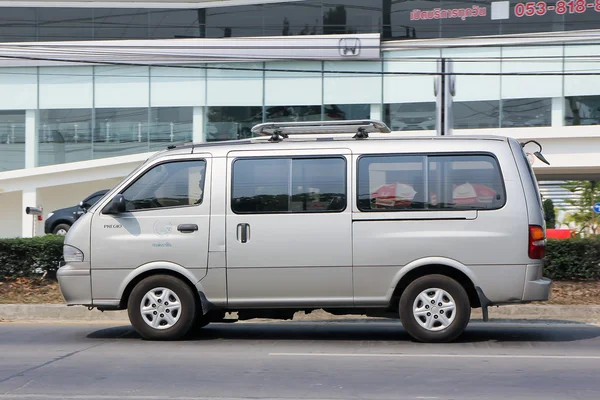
[72, 253]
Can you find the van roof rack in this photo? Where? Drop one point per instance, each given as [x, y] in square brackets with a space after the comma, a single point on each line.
[280, 130]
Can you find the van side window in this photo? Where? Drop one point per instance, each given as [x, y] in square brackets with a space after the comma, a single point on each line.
[429, 182]
[289, 185]
[173, 184]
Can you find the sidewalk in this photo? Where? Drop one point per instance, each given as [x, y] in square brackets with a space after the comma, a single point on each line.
[59, 313]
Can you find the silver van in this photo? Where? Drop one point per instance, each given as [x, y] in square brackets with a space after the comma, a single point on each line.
[340, 216]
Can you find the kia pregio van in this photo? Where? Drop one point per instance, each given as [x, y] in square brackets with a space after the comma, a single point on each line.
[335, 215]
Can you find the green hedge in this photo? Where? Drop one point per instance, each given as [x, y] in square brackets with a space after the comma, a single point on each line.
[30, 257]
[573, 259]
[570, 259]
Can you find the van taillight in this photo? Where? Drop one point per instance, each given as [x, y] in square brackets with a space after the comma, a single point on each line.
[537, 242]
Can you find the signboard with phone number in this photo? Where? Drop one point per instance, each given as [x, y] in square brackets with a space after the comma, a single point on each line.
[561, 7]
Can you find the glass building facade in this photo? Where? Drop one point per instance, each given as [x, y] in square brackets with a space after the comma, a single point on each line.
[393, 19]
[84, 112]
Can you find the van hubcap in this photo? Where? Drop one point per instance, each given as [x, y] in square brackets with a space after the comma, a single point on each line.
[434, 309]
[160, 308]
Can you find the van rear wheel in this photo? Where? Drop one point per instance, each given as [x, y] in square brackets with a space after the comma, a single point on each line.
[435, 308]
[162, 307]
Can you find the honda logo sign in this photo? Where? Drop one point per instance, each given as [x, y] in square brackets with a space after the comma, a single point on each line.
[349, 47]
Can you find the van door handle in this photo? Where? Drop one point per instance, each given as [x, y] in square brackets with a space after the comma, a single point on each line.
[187, 228]
[243, 233]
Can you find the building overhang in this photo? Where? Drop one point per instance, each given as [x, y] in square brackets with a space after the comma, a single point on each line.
[188, 52]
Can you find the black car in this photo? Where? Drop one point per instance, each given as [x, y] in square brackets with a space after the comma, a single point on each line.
[59, 221]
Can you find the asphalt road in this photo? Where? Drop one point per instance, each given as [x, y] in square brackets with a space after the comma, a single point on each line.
[297, 360]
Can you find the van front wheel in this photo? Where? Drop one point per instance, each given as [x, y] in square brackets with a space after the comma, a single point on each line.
[162, 307]
[435, 308]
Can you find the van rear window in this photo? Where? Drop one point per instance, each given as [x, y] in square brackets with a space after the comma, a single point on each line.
[429, 182]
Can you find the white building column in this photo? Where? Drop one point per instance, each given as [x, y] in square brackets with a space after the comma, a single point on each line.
[31, 139]
[28, 199]
[376, 112]
[558, 111]
[198, 135]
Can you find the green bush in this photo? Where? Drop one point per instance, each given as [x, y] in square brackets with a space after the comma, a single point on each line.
[30, 257]
[573, 259]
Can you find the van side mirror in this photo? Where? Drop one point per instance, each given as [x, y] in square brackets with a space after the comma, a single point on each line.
[116, 206]
[83, 205]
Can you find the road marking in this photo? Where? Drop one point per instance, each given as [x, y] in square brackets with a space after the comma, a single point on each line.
[399, 355]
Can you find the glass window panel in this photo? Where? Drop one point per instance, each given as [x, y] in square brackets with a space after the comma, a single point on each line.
[22, 85]
[120, 23]
[118, 86]
[261, 186]
[582, 58]
[237, 21]
[120, 131]
[357, 82]
[346, 111]
[409, 88]
[351, 16]
[292, 113]
[410, 116]
[230, 123]
[476, 114]
[526, 112]
[464, 18]
[285, 88]
[12, 140]
[174, 184]
[391, 183]
[18, 24]
[240, 86]
[582, 110]
[172, 86]
[289, 185]
[170, 126]
[296, 18]
[64, 135]
[465, 182]
[484, 60]
[588, 19]
[318, 184]
[66, 87]
[530, 59]
[62, 24]
[548, 22]
[177, 24]
[402, 183]
[407, 22]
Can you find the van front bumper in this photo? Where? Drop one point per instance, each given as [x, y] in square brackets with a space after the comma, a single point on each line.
[74, 280]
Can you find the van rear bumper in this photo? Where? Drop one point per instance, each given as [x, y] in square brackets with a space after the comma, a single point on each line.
[75, 283]
[538, 290]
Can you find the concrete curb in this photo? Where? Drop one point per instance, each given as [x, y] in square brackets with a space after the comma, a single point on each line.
[62, 313]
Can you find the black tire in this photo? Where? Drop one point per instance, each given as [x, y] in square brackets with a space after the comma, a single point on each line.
[188, 308]
[60, 227]
[462, 309]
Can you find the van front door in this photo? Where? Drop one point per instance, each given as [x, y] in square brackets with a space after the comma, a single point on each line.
[288, 229]
[166, 223]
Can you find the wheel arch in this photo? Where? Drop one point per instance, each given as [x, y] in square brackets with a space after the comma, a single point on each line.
[430, 266]
[161, 268]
